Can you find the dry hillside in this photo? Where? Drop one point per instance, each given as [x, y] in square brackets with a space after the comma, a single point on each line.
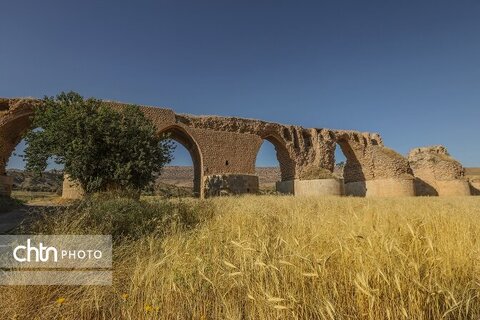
[472, 172]
[50, 181]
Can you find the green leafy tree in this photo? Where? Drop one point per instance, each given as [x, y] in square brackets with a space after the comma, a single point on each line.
[101, 148]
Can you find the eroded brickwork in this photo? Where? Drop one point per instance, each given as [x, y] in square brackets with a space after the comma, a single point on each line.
[222, 146]
[14, 123]
[437, 173]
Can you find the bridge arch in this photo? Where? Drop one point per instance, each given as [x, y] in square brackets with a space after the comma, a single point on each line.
[14, 123]
[287, 164]
[12, 129]
[354, 170]
[181, 136]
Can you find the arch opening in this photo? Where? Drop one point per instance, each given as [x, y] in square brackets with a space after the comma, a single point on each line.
[267, 167]
[185, 149]
[11, 132]
[177, 177]
[27, 185]
[340, 161]
[274, 155]
[353, 170]
[12, 128]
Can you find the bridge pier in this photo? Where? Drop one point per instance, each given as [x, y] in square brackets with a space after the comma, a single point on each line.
[230, 184]
[317, 187]
[6, 184]
[213, 185]
[381, 188]
[70, 189]
[437, 173]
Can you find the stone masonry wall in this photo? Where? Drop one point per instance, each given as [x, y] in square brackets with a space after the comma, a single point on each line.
[229, 145]
[437, 173]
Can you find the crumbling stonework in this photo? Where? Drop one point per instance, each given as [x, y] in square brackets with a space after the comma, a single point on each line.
[437, 173]
[232, 184]
[228, 146]
[14, 123]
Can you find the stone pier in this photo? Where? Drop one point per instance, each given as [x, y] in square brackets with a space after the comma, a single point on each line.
[6, 184]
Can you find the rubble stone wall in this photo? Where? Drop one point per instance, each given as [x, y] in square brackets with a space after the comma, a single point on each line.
[437, 173]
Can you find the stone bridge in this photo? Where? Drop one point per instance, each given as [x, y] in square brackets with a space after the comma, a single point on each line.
[224, 151]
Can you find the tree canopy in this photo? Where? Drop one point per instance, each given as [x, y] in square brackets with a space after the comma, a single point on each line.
[101, 148]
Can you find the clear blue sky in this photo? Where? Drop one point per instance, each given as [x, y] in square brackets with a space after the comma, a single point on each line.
[409, 70]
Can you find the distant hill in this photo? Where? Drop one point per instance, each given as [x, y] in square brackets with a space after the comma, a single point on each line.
[472, 172]
[50, 181]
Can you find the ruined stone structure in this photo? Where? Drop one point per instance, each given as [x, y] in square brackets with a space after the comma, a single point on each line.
[475, 186]
[224, 150]
[437, 173]
[473, 176]
[71, 189]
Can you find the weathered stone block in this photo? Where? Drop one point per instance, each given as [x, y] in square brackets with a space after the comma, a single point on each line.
[230, 184]
[71, 189]
[475, 187]
[285, 187]
[453, 188]
[381, 188]
[318, 187]
[6, 184]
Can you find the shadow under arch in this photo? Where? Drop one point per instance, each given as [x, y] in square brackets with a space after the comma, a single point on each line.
[181, 136]
[287, 165]
[353, 170]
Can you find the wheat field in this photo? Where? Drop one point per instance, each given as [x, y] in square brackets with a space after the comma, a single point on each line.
[281, 257]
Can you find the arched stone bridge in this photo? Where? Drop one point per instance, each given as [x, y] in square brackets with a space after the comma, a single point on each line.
[224, 150]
